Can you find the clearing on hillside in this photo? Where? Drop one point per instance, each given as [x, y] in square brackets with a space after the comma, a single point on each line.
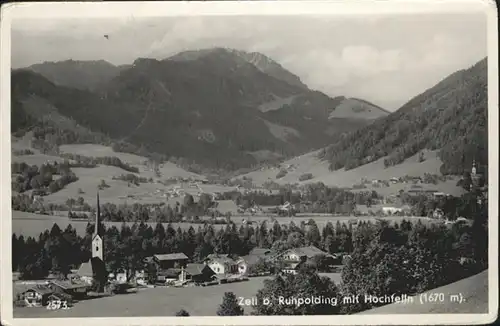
[310, 163]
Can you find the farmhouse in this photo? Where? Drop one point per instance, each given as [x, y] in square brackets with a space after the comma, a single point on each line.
[254, 257]
[166, 261]
[301, 254]
[77, 290]
[199, 273]
[388, 210]
[222, 264]
[292, 259]
[36, 296]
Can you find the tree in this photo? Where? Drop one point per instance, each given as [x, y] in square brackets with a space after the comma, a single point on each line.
[182, 313]
[305, 284]
[229, 306]
[188, 200]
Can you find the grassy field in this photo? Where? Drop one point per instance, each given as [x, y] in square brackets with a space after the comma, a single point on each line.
[198, 301]
[167, 169]
[309, 163]
[474, 290]
[29, 224]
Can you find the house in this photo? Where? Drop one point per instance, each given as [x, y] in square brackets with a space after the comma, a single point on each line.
[301, 254]
[222, 264]
[197, 273]
[254, 257]
[166, 261]
[291, 267]
[438, 213]
[75, 289]
[168, 275]
[36, 296]
[291, 259]
[388, 210]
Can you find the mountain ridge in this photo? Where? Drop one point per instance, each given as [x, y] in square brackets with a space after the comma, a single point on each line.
[450, 116]
[204, 109]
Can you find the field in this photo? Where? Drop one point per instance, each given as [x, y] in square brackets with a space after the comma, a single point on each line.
[29, 224]
[198, 301]
[309, 163]
[119, 191]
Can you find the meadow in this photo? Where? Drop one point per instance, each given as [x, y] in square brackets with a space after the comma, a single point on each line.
[30, 224]
[310, 163]
[198, 301]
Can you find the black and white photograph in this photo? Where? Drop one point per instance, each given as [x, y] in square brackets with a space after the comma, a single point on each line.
[193, 161]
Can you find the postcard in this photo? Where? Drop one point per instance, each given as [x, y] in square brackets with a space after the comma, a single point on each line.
[249, 163]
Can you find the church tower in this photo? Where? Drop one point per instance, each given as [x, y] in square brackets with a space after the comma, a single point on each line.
[97, 247]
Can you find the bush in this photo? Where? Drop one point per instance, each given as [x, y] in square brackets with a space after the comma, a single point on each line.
[281, 174]
[306, 176]
[182, 313]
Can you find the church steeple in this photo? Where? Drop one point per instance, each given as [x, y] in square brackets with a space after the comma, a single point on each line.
[97, 247]
[97, 217]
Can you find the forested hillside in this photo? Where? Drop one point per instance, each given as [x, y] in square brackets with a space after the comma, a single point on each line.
[204, 107]
[451, 117]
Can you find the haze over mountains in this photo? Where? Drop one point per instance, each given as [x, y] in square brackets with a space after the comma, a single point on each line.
[220, 108]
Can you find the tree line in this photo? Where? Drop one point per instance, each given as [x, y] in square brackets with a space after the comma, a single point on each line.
[41, 178]
[57, 250]
[91, 162]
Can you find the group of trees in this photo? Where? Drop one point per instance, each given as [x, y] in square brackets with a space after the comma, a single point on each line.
[315, 198]
[126, 247]
[90, 162]
[25, 203]
[409, 259]
[452, 207]
[28, 177]
[132, 178]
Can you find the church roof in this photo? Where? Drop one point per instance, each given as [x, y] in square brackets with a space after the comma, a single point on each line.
[85, 269]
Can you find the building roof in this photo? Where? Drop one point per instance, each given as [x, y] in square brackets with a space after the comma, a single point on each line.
[69, 285]
[85, 269]
[260, 251]
[309, 251]
[222, 259]
[251, 259]
[174, 256]
[195, 269]
[42, 289]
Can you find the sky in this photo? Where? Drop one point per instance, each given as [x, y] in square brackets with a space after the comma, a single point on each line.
[383, 59]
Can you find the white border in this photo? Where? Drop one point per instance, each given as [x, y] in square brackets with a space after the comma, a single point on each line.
[162, 9]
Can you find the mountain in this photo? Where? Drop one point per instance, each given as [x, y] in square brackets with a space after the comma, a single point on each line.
[450, 117]
[355, 108]
[219, 108]
[86, 75]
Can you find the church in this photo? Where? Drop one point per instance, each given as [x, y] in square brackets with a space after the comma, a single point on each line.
[94, 271]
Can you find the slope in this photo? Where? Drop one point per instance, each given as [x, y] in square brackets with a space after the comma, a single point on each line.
[450, 117]
[86, 75]
[473, 290]
[204, 107]
[357, 109]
